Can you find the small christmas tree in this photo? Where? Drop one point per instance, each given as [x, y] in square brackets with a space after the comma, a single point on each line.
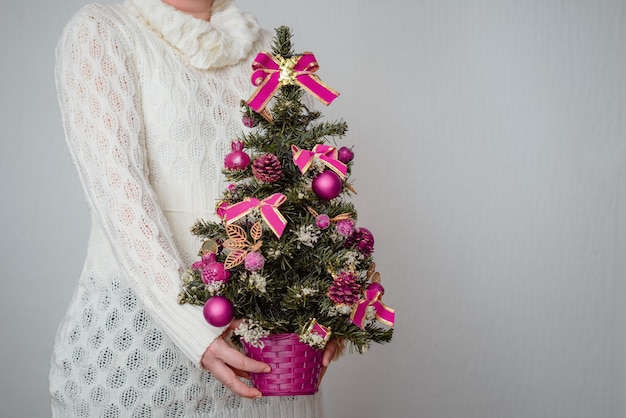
[287, 255]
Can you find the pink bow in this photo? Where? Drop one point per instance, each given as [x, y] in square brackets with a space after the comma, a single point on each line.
[326, 154]
[268, 208]
[373, 294]
[270, 72]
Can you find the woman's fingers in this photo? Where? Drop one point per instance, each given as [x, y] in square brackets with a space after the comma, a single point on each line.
[235, 359]
[329, 352]
[234, 323]
[226, 364]
[332, 350]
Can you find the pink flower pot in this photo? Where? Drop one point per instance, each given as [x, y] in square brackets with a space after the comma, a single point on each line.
[295, 366]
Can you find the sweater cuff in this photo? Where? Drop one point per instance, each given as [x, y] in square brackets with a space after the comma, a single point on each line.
[185, 325]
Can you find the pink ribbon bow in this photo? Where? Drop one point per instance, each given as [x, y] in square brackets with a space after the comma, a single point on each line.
[373, 294]
[327, 154]
[271, 72]
[268, 208]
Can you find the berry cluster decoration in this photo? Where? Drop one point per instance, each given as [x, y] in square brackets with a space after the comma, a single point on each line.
[287, 254]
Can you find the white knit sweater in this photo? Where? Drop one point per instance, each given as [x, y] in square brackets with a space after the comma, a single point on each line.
[150, 102]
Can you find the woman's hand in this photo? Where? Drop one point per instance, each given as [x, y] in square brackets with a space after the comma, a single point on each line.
[332, 351]
[226, 363]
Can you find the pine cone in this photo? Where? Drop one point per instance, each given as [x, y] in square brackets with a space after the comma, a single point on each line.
[361, 239]
[267, 168]
[345, 289]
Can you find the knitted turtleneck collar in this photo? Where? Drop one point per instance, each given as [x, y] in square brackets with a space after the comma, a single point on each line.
[224, 40]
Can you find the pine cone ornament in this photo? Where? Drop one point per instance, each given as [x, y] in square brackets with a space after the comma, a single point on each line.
[345, 289]
[361, 239]
[267, 168]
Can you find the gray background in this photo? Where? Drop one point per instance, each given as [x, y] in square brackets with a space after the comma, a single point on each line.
[490, 165]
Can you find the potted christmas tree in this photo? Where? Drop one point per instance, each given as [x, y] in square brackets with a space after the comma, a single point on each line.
[287, 255]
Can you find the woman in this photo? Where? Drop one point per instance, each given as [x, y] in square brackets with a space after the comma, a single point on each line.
[149, 93]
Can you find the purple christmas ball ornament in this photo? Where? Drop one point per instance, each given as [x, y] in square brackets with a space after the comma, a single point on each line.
[345, 155]
[218, 311]
[327, 185]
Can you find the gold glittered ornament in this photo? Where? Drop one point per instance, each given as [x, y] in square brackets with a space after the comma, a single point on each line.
[239, 244]
[209, 246]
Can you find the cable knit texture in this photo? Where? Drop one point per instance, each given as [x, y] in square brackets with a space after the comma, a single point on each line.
[150, 102]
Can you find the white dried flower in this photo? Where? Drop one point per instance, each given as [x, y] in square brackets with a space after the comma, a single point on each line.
[308, 235]
[313, 339]
[188, 276]
[352, 258]
[344, 309]
[336, 237]
[258, 281]
[317, 165]
[254, 215]
[215, 287]
[306, 291]
[251, 332]
[273, 254]
[340, 310]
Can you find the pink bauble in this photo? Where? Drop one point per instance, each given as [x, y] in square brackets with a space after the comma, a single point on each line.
[327, 185]
[237, 159]
[345, 155]
[218, 311]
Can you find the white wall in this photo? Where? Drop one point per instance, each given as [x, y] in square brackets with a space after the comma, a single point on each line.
[490, 165]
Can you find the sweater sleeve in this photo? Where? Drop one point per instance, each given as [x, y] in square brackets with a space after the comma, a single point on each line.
[101, 109]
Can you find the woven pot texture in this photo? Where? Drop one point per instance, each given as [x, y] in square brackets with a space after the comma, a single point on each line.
[295, 366]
